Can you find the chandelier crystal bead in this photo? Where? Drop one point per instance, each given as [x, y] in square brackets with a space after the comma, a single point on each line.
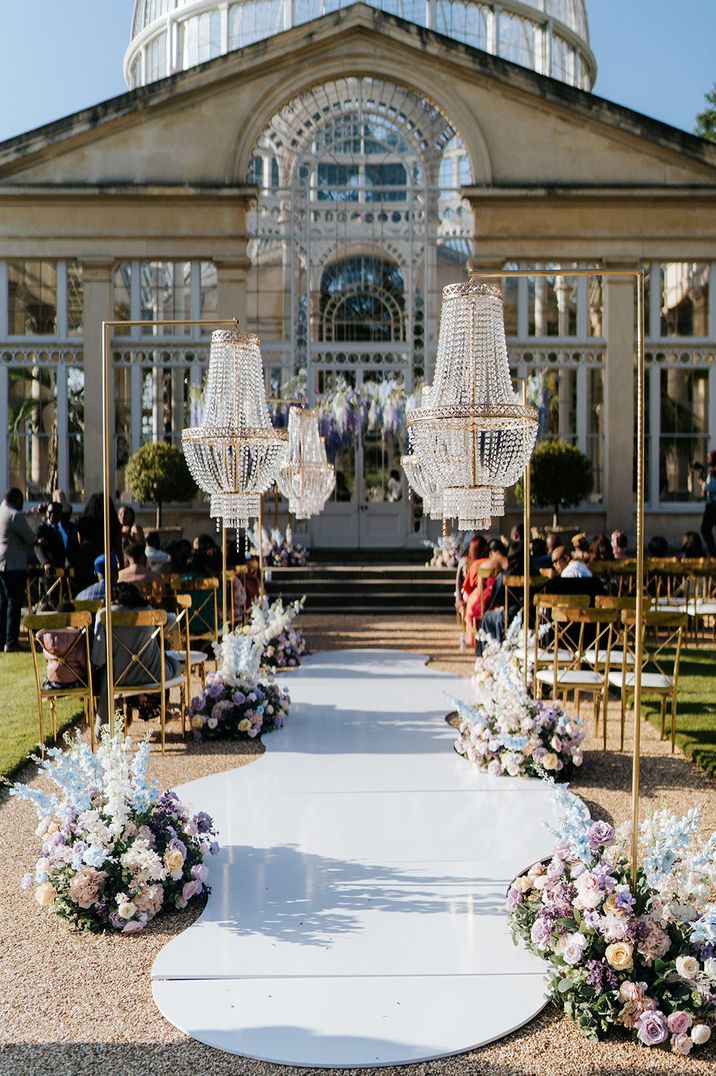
[472, 435]
[235, 452]
[421, 483]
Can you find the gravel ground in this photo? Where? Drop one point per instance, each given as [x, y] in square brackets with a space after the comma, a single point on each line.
[81, 1005]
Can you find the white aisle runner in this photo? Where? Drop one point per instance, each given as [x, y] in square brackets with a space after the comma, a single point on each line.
[356, 917]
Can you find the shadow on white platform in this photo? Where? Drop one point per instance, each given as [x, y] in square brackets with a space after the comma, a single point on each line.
[357, 913]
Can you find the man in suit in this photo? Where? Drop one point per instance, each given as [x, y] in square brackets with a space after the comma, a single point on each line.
[17, 542]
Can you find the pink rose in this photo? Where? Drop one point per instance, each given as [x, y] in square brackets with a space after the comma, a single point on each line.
[133, 927]
[190, 889]
[682, 1044]
[679, 1022]
[150, 900]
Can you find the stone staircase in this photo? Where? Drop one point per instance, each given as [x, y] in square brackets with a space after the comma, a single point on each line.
[367, 589]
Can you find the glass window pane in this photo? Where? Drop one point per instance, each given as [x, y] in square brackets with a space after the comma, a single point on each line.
[685, 299]
[121, 285]
[209, 291]
[684, 438]
[165, 294]
[553, 306]
[32, 298]
[32, 429]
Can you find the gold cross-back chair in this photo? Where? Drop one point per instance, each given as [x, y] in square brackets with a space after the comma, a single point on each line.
[74, 657]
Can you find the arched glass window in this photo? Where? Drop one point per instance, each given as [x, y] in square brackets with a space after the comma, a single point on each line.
[362, 300]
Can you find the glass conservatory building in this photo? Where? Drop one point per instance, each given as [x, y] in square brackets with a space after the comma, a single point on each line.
[321, 171]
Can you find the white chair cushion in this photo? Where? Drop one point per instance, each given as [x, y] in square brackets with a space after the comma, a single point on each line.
[702, 608]
[653, 681]
[571, 677]
[600, 656]
[196, 657]
[547, 654]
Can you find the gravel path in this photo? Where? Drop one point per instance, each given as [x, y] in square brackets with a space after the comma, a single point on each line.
[81, 1005]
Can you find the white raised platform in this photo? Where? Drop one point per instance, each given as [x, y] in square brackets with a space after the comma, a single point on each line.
[356, 917]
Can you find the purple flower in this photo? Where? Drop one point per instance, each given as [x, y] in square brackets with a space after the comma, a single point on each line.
[652, 1028]
[190, 889]
[215, 688]
[239, 698]
[514, 897]
[600, 834]
[179, 846]
[214, 848]
[223, 710]
[204, 822]
[200, 872]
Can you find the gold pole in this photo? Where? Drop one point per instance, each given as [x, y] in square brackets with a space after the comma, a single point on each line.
[639, 627]
[526, 526]
[107, 482]
[224, 588]
[260, 543]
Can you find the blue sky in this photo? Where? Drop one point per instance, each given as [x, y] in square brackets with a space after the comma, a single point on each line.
[656, 56]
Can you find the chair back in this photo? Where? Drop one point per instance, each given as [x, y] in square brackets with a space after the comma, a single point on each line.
[514, 589]
[137, 618]
[54, 589]
[74, 656]
[204, 610]
[577, 629]
[89, 605]
[613, 601]
[657, 645]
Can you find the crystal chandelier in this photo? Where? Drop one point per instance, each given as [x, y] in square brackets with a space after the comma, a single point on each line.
[472, 435]
[421, 483]
[235, 452]
[306, 478]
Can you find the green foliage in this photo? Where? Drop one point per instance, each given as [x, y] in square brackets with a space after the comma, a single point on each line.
[158, 472]
[706, 120]
[561, 476]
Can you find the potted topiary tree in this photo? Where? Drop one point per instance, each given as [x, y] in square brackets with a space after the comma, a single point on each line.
[561, 477]
[158, 472]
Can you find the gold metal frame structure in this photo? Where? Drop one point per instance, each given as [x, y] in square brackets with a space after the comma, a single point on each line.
[637, 275]
[108, 328]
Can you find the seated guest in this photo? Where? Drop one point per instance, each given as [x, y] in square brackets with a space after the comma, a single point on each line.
[580, 547]
[63, 500]
[65, 654]
[619, 545]
[96, 590]
[691, 546]
[131, 531]
[128, 641]
[475, 598]
[539, 555]
[139, 573]
[493, 620]
[252, 581]
[157, 558]
[657, 547]
[208, 554]
[179, 554]
[600, 549]
[567, 567]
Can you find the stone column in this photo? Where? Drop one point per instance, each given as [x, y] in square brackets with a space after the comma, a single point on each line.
[231, 283]
[619, 302]
[98, 307]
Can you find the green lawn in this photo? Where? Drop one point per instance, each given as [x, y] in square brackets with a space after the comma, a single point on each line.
[19, 728]
[696, 713]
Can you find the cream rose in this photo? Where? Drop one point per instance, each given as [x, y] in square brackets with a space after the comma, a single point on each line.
[197, 721]
[700, 1034]
[687, 967]
[550, 761]
[45, 894]
[244, 725]
[523, 884]
[619, 955]
[173, 860]
[126, 909]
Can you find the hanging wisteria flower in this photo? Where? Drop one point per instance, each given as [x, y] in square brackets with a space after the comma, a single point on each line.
[115, 852]
[637, 956]
[505, 731]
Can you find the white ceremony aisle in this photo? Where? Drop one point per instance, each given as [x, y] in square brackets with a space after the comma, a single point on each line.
[356, 917]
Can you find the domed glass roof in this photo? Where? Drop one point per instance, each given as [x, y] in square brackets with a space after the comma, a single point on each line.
[548, 36]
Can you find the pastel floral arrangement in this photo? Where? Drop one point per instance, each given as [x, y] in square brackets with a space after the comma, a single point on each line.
[240, 709]
[238, 701]
[638, 957]
[505, 730]
[278, 549]
[272, 623]
[447, 551]
[115, 852]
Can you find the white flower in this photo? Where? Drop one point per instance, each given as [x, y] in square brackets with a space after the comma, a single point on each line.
[710, 967]
[126, 909]
[700, 1034]
[687, 967]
